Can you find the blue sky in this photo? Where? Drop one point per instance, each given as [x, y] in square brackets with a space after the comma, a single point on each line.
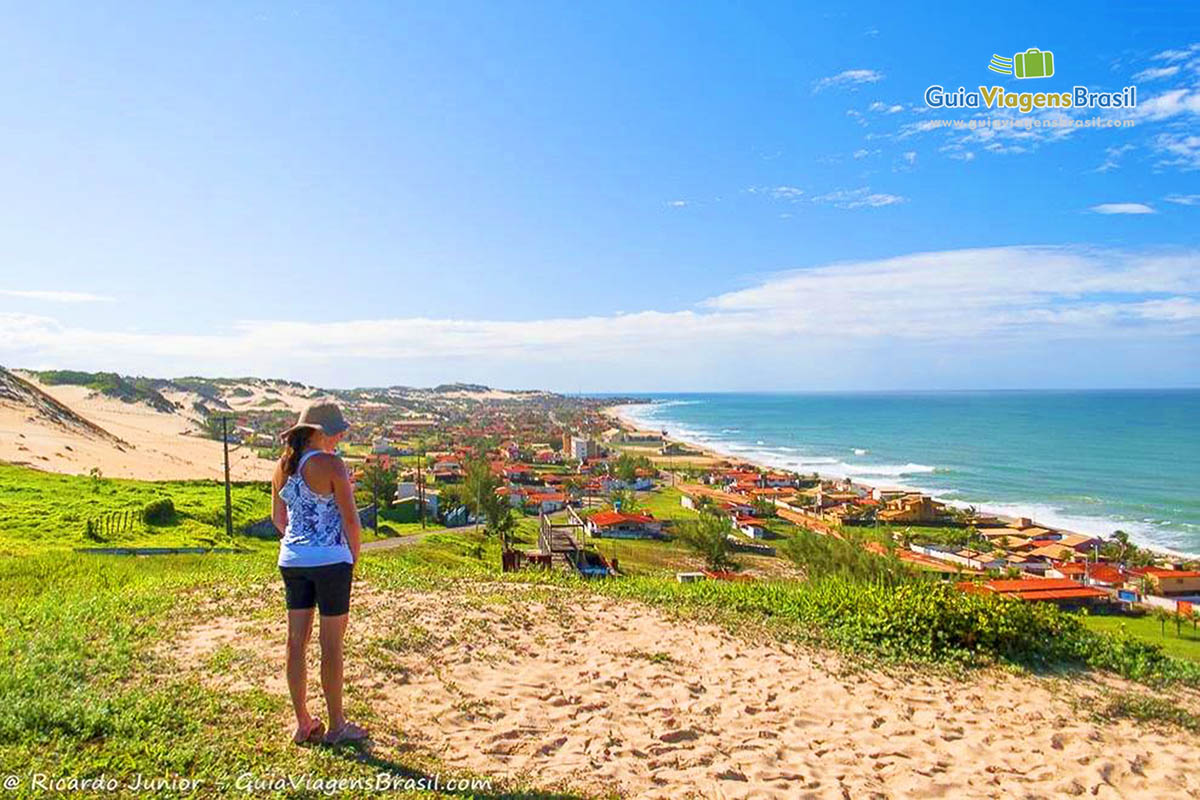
[596, 197]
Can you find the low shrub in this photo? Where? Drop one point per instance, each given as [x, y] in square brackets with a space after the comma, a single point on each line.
[159, 512]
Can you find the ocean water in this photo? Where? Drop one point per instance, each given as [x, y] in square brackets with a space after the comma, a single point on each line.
[1088, 461]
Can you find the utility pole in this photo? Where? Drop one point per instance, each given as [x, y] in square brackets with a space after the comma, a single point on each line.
[420, 483]
[375, 503]
[228, 498]
[478, 506]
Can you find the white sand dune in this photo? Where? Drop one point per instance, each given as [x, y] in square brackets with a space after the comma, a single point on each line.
[154, 445]
[606, 696]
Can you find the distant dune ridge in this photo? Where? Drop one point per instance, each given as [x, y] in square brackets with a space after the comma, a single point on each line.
[16, 392]
[153, 433]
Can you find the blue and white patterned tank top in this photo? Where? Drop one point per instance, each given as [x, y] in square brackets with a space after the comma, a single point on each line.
[314, 536]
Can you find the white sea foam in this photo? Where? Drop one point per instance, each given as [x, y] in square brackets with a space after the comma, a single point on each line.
[861, 451]
[1147, 532]
[886, 470]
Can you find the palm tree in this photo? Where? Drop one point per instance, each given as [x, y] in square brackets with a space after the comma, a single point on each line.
[1161, 614]
[1122, 540]
[500, 522]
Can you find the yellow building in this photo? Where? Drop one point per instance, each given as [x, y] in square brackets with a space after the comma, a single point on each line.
[1167, 582]
[911, 509]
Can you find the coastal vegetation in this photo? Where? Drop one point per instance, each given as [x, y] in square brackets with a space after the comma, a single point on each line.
[708, 537]
[110, 384]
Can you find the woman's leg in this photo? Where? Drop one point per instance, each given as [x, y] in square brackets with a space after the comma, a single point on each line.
[333, 634]
[300, 622]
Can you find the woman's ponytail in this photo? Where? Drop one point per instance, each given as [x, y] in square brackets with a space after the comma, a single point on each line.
[297, 443]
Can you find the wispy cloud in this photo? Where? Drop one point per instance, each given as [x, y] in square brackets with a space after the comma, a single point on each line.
[880, 107]
[1178, 150]
[782, 192]
[56, 296]
[1179, 54]
[1112, 157]
[1170, 104]
[848, 78]
[677, 203]
[1183, 199]
[859, 198]
[1123, 208]
[1154, 73]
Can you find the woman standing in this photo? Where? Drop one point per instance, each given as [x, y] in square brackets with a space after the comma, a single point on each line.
[313, 509]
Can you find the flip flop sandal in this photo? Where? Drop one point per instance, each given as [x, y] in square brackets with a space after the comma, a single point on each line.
[347, 733]
[316, 733]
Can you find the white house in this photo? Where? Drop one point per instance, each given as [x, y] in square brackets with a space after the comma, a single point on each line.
[750, 527]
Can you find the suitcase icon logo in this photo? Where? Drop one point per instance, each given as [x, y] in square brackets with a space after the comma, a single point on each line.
[1033, 63]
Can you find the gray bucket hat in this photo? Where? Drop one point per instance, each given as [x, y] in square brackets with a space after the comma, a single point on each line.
[320, 415]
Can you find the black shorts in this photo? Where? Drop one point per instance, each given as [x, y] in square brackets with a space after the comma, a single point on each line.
[327, 587]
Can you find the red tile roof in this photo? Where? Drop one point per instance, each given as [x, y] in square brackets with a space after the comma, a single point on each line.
[1160, 572]
[545, 497]
[1035, 589]
[605, 519]
[1106, 573]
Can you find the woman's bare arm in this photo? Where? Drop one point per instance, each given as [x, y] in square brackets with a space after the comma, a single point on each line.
[279, 515]
[343, 492]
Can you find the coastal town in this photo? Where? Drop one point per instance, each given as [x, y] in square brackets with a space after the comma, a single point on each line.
[580, 477]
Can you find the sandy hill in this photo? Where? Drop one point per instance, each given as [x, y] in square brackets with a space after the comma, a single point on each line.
[21, 396]
[73, 428]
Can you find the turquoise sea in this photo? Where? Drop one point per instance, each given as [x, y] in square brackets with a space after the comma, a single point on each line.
[1089, 461]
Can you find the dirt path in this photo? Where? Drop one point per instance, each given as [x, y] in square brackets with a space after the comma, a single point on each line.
[601, 695]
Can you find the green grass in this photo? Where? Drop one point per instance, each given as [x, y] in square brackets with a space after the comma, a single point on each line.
[647, 556]
[1147, 628]
[86, 692]
[389, 529]
[664, 505]
[44, 510]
